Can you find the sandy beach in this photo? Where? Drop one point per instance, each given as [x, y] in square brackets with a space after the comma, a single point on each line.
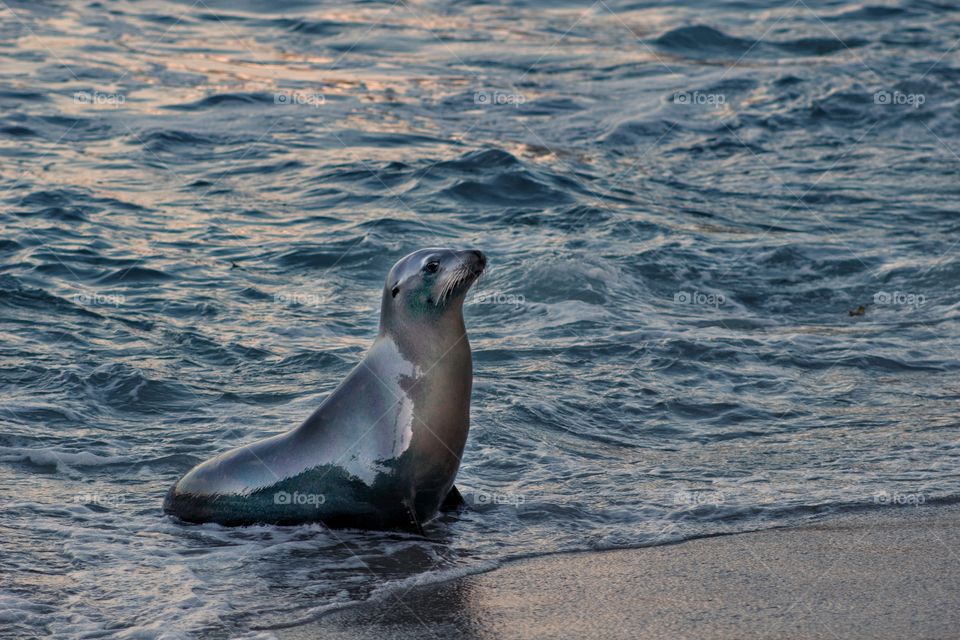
[885, 573]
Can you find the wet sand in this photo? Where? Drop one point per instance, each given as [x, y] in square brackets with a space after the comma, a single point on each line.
[887, 573]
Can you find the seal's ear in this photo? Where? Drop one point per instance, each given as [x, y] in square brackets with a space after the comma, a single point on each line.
[395, 290]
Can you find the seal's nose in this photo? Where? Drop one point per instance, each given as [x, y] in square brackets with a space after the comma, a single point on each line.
[475, 259]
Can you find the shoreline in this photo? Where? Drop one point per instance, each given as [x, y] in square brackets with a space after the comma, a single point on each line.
[890, 572]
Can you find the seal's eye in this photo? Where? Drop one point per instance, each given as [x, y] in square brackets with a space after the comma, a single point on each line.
[395, 290]
[432, 266]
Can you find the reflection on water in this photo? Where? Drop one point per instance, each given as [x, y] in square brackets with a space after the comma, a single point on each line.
[684, 207]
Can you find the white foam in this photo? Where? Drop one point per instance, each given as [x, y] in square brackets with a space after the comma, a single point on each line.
[432, 577]
[54, 458]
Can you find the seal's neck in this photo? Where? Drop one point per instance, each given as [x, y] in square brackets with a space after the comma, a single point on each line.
[427, 340]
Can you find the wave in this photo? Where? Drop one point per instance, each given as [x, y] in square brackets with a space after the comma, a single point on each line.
[56, 458]
[226, 100]
[702, 41]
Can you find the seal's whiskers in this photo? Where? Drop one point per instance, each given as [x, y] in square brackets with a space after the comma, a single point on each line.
[457, 277]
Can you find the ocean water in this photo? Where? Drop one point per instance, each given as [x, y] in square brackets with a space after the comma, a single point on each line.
[685, 206]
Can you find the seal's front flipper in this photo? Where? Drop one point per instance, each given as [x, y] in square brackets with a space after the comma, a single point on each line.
[454, 501]
[414, 523]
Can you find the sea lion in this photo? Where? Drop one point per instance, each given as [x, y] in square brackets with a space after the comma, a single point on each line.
[383, 449]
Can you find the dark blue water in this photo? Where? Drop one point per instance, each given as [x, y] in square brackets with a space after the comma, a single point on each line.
[682, 205]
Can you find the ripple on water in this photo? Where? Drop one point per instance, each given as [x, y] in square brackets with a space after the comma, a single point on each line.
[721, 293]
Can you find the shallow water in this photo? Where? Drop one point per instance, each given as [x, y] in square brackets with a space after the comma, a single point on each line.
[681, 203]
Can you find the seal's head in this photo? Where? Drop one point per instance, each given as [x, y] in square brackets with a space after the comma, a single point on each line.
[427, 289]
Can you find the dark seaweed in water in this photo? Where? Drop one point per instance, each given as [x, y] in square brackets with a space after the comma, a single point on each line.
[683, 203]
